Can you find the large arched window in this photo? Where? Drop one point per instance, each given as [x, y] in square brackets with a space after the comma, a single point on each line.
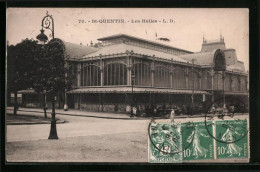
[90, 75]
[193, 77]
[178, 79]
[219, 61]
[142, 74]
[206, 81]
[115, 74]
[235, 84]
[162, 77]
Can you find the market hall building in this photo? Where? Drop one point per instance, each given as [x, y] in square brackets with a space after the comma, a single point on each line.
[123, 70]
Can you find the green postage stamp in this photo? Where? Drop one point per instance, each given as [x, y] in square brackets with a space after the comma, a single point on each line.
[232, 139]
[197, 144]
[165, 143]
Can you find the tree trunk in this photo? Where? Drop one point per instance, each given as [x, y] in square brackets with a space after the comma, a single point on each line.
[15, 103]
[44, 105]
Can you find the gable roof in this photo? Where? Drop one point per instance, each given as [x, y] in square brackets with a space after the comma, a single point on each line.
[122, 48]
[108, 38]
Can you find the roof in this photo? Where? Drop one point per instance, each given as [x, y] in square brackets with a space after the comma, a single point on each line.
[202, 58]
[140, 39]
[122, 48]
[77, 51]
[136, 90]
[237, 93]
[238, 67]
[31, 91]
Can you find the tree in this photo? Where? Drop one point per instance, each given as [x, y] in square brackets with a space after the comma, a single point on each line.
[20, 67]
[52, 75]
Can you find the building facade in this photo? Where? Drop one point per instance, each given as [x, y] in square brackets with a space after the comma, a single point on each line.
[123, 71]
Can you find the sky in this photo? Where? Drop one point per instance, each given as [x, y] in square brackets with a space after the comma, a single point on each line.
[185, 27]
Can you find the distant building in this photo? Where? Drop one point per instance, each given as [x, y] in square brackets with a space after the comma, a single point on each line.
[161, 75]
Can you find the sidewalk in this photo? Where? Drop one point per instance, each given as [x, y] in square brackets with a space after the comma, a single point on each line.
[107, 115]
[74, 112]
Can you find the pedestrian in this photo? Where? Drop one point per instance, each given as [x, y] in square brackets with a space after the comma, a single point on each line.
[155, 110]
[172, 115]
[134, 111]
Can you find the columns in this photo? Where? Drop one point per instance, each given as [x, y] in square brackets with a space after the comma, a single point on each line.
[212, 85]
[200, 81]
[171, 73]
[186, 78]
[152, 71]
[78, 74]
[101, 71]
[129, 70]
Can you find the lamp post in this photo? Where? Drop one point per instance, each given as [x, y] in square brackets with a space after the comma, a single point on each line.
[45, 104]
[132, 97]
[65, 95]
[192, 97]
[224, 99]
[48, 23]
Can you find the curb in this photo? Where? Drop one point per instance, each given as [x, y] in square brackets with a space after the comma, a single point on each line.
[130, 118]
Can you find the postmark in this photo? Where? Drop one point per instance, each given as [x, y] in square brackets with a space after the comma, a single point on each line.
[232, 140]
[225, 112]
[165, 144]
[202, 145]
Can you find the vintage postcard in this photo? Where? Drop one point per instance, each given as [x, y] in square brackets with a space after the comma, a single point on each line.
[150, 85]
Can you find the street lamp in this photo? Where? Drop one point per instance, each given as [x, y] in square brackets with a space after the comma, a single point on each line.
[224, 99]
[65, 96]
[192, 97]
[44, 104]
[48, 23]
[132, 97]
[42, 37]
